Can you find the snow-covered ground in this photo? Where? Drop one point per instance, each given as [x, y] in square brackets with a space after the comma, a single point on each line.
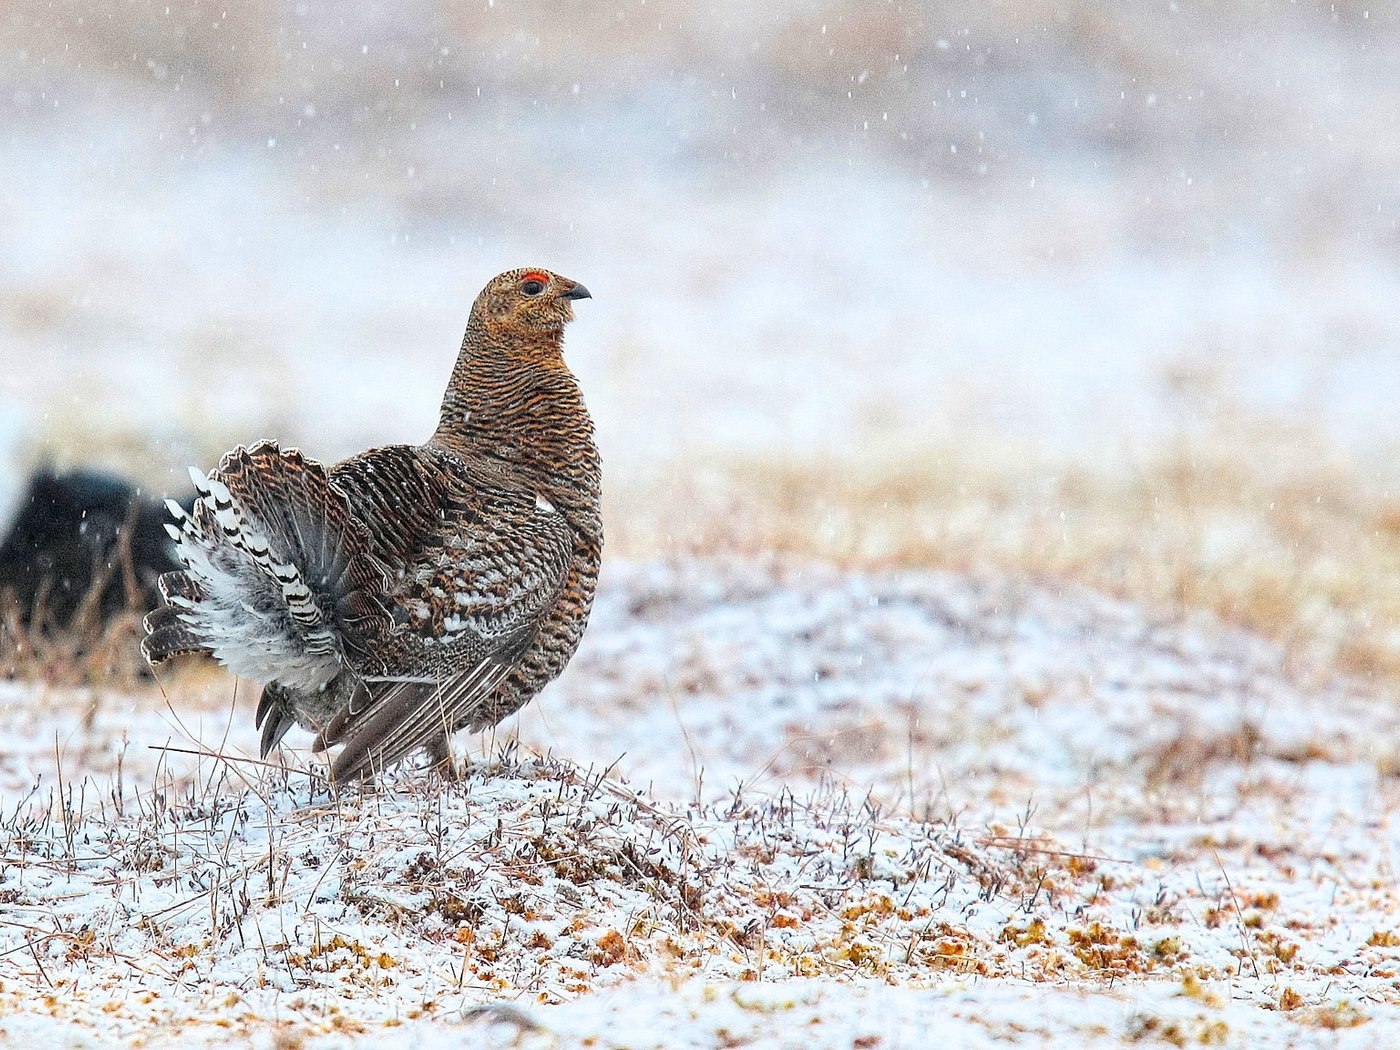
[772, 803]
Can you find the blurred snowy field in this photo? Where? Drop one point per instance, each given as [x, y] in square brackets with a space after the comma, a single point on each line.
[815, 231]
[984, 246]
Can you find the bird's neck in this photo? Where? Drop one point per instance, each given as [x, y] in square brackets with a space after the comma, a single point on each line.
[514, 400]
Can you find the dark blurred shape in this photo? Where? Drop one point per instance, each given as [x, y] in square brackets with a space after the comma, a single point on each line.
[83, 541]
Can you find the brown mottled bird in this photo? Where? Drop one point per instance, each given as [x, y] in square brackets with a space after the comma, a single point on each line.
[411, 590]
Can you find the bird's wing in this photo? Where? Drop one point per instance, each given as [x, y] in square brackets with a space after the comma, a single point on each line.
[475, 565]
[399, 717]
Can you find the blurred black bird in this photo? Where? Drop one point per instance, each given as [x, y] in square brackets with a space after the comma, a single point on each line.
[68, 537]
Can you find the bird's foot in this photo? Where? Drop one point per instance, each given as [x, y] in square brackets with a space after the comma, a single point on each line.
[443, 762]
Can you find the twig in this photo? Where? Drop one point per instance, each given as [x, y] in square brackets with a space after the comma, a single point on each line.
[1244, 930]
[204, 753]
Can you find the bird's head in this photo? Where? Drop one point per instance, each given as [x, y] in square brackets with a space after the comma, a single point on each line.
[530, 300]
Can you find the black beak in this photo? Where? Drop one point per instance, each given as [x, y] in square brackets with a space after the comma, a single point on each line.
[578, 291]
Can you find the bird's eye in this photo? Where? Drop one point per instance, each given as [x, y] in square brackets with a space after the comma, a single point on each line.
[532, 285]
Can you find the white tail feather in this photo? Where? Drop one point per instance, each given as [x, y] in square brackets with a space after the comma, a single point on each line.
[258, 617]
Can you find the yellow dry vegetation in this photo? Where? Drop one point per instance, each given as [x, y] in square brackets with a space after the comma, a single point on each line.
[1268, 529]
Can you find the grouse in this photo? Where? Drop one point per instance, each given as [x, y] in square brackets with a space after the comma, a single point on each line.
[409, 591]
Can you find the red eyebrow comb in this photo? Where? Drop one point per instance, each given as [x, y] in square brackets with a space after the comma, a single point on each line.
[535, 275]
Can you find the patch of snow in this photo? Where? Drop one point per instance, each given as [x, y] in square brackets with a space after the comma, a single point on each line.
[973, 803]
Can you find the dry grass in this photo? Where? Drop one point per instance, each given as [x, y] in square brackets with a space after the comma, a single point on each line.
[1265, 527]
[1276, 536]
[92, 646]
[571, 876]
[96, 653]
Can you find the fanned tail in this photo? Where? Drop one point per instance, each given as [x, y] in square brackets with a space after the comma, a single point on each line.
[168, 636]
[273, 576]
[167, 633]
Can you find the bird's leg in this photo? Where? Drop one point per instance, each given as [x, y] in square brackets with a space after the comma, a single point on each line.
[443, 760]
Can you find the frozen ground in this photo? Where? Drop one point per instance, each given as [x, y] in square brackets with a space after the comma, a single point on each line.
[773, 804]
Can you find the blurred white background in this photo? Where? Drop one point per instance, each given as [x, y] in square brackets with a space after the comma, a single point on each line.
[814, 231]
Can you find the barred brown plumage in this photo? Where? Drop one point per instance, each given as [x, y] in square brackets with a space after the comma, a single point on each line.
[411, 590]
